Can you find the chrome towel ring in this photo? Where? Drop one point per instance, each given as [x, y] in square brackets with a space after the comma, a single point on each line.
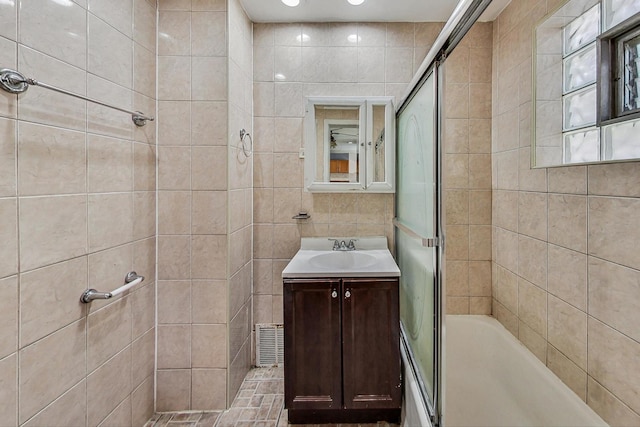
[247, 149]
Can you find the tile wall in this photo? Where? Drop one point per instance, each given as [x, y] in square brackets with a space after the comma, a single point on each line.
[467, 173]
[291, 62]
[566, 268]
[77, 203]
[204, 203]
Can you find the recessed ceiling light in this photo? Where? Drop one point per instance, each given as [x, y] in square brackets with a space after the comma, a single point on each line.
[355, 2]
[353, 38]
[292, 3]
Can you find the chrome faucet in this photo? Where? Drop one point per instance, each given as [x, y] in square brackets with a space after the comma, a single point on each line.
[341, 245]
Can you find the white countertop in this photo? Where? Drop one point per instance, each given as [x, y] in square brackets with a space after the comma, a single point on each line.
[379, 262]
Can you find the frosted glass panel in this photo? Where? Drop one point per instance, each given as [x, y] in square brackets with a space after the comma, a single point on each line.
[580, 69]
[582, 30]
[582, 146]
[622, 141]
[631, 74]
[416, 301]
[616, 11]
[415, 203]
[580, 108]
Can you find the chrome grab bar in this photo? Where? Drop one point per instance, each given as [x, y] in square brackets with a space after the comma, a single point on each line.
[14, 82]
[130, 281]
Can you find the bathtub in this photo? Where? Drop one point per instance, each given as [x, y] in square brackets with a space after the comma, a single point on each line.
[492, 379]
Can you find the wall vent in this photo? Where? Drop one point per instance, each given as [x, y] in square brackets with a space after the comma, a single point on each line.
[269, 344]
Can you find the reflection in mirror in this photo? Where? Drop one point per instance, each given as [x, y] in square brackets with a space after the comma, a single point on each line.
[379, 147]
[337, 157]
[348, 146]
[577, 68]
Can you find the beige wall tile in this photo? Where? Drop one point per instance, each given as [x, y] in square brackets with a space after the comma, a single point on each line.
[506, 209]
[50, 160]
[613, 295]
[567, 371]
[142, 403]
[9, 316]
[69, 409]
[507, 289]
[479, 136]
[479, 242]
[144, 164]
[567, 330]
[173, 390]
[108, 332]
[120, 416]
[456, 206]
[572, 180]
[103, 120]
[457, 305]
[208, 257]
[612, 229]
[110, 220]
[174, 166]
[480, 305]
[110, 53]
[9, 102]
[40, 29]
[532, 307]
[108, 386]
[174, 123]
[9, 236]
[533, 341]
[8, 138]
[58, 288]
[175, 30]
[208, 212]
[174, 212]
[208, 389]
[617, 179]
[174, 301]
[52, 229]
[50, 367]
[143, 358]
[608, 406]
[142, 308]
[507, 242]
[508, 169]
[209, 79]
[9, 389]
[209, 123]
[568, 221]
[567, 276]
[480, 278]
[457, 278]
[613, 362]
[480, 207]
[209, 303]
[208, 346]
[532, 214]
[209, 168]
[168, 88]
[174, 346]
[110, 166]
[174, 257]
[507, 318]
[532, 260]
[144, 220]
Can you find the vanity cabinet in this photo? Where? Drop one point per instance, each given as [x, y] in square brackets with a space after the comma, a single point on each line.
[342, 350]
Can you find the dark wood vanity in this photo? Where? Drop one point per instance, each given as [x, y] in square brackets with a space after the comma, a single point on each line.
[342, 350]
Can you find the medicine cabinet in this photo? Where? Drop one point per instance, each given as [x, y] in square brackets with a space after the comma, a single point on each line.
[349, 144]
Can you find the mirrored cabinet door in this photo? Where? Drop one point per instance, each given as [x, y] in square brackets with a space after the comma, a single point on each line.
[349, 144]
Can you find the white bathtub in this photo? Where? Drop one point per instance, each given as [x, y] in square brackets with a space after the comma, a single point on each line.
[493, 380]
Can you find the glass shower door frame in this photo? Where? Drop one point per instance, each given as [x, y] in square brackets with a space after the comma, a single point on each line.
[435, 403]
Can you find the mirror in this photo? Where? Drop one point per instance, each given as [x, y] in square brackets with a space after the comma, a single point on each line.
[581, 114]
[347, 147]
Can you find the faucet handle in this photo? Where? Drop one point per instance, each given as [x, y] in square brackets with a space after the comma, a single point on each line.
[352, 244]
[336, 244]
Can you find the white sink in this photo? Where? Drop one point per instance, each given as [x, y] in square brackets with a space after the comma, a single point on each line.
[342, 260]
[315, 259]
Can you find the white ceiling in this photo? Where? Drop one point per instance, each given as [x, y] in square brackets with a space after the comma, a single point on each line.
[369, 11]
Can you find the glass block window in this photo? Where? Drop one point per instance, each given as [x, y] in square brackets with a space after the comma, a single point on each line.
[582, 30]
[631, 75]
[581, 146]
[622, 140]
[616, 11]
[580, 69]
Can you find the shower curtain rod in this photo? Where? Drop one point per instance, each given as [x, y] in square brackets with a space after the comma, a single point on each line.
[14, 82]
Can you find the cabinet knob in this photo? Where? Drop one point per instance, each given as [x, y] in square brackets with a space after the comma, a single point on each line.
[334, 294]
[347, 294]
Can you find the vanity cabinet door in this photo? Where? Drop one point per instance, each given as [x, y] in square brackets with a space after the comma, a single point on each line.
[371, 343]
[313, 362]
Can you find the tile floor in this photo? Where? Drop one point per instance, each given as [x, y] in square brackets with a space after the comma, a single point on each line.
[259, 403]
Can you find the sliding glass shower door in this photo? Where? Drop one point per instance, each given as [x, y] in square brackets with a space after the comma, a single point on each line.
[417, 234]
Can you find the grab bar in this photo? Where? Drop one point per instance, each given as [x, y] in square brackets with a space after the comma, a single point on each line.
[14, 82]
[130, 281]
